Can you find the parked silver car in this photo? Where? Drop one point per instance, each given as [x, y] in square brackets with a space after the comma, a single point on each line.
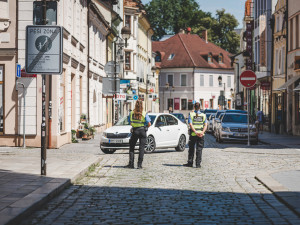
[234, 127]
[210, 120]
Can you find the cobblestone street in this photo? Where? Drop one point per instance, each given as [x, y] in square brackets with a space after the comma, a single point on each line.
[223, 191]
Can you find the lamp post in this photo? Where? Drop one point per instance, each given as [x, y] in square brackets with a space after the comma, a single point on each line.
[125, 32]
[223, 96]
[232, 96]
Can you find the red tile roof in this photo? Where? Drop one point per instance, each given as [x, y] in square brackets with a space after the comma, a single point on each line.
[190, 51]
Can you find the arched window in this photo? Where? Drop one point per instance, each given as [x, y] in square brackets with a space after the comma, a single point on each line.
[158, 57]
[220, 58]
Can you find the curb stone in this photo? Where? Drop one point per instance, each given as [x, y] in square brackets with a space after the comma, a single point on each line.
[289, 198]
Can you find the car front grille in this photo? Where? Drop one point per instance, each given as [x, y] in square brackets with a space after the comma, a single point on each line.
[235, 129]
[117, 135]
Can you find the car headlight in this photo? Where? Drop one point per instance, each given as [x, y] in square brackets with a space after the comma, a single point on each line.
[104, 134]
[226, 129]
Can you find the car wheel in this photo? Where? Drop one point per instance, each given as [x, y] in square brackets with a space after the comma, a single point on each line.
[150, 144]
[181, 144]
[108, 150]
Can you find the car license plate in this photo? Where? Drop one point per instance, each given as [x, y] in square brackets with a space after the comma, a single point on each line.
[115, 141]
[239, 135]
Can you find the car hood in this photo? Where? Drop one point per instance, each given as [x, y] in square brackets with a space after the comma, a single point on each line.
[237, 125]
[119, 129]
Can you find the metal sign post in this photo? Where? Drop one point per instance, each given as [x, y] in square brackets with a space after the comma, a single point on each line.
[248, 79]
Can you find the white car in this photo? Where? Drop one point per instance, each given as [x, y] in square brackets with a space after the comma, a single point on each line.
[166, 131]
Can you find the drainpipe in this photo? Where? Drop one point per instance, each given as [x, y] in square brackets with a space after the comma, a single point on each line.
[88, 64]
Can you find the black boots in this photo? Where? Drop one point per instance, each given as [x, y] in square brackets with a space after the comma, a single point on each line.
[139, 166]
[130, 166]
[188, 165]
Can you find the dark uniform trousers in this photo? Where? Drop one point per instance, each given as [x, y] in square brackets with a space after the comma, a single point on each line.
[138, 133]
[199, 141]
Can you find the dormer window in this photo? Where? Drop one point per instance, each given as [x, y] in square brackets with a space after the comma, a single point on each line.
[171, 56]
[158, 57]
[220, 58]
[209, 58]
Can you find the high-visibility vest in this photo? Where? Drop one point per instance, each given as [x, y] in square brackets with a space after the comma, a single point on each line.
[135, 122]
[197, 121]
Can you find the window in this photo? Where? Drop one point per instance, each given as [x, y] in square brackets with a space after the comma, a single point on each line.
[171, 56]
[128, 21]
[1, 100]
[297, 31]
[221, 58]
[211, 103]
[277, 24]
[211, 80]
[183, 104]
[127, 61]
[201, 103]
[183, 80]
[170, 80]
[201, 80]
[190, 105]
[158, 57]
[229, 81]
[62, 102]
[171, 120]
[161, 121]
[209, 58]
[170, 104]
[291, 35]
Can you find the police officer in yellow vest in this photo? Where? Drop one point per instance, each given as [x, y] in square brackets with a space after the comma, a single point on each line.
[140, 122]
[198, 126]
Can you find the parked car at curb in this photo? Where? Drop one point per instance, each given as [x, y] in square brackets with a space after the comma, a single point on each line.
[210, 120]
[166, 131]
[234, 127]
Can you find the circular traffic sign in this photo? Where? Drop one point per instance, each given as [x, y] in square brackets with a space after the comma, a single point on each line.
[135, 97]
[248, 78]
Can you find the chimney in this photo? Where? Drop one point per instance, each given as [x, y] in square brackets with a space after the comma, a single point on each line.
[204, 35]
[181, 31]
[188, 30]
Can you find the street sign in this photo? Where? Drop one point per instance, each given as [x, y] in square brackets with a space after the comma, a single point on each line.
[18, 70]
[110, 69]
[121, 97]
[44, 46]
[248, 78]
[135, 97]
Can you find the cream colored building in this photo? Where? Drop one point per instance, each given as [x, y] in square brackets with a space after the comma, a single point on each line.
[293, 68]
[279, 68]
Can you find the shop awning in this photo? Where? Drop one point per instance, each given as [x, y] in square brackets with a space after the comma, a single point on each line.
[297, 88]
[288, 83]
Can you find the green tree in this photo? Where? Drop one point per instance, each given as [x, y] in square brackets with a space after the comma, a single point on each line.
[222, 31]
[169, 16]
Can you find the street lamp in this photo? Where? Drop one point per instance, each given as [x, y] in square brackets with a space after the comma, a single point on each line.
[126, 33]
[223, 95]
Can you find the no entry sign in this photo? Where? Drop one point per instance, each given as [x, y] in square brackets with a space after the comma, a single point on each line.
[248, 78]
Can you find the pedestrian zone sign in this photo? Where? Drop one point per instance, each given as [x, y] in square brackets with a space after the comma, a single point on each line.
[44, 46]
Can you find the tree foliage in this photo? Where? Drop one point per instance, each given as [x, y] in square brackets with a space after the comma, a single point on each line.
[167, 17]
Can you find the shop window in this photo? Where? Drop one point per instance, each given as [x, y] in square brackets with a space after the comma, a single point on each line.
[183, 104]
[201, 103]
[211, 103]
[190, 105]
[170, 104]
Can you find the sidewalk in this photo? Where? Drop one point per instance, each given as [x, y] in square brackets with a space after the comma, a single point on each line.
[287, 141]
[284, 184]
[23, 189]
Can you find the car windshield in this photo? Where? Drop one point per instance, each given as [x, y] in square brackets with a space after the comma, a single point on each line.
[123, 121]
[210, 111]
[235, 118]
[218, 114]
[236, 111]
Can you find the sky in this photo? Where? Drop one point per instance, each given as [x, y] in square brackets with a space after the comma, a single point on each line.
[235, 7]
